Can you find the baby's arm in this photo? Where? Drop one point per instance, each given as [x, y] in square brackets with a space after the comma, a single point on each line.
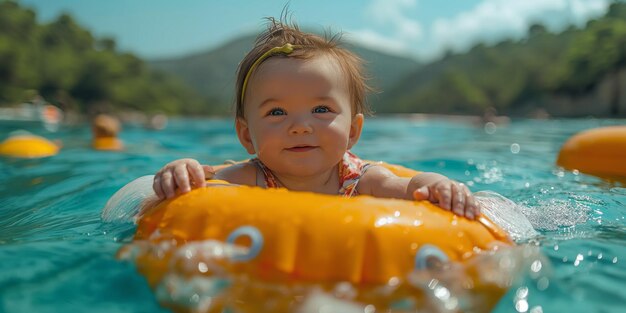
[436, 188]
[180, 175]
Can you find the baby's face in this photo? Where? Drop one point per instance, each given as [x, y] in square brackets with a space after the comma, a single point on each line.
[298, 115]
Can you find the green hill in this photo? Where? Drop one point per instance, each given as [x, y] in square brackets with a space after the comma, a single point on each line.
[578, 72]
[212, 73]
[65, 64]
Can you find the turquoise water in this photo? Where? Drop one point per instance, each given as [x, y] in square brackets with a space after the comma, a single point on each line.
[57, 255]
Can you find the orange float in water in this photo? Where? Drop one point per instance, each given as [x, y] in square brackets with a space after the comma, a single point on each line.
[28, 146]
[600, 152]
[307, 238]
[313, 237]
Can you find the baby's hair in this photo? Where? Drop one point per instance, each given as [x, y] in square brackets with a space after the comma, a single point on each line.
[282, 32]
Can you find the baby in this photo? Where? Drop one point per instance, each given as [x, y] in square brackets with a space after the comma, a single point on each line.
[300, 101]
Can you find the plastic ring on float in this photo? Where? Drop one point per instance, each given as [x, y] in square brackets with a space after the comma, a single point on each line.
[428, 255]
[255, 236]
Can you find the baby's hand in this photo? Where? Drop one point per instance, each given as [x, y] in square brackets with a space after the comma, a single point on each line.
[449, 195]
[182, 175]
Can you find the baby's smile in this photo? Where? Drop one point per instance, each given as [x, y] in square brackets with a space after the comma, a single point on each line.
[301, 148]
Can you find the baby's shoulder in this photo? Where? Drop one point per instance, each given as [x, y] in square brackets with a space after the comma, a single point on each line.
[372, 178]
[243, 173]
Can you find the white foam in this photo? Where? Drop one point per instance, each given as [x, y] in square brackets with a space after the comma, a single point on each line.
[506, 214]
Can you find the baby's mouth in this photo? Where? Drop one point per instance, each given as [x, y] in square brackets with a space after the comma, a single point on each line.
[301, 148]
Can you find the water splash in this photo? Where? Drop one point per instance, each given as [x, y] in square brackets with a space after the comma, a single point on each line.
[126, 204]
[554, 214]
[200, 277]
[506, 214]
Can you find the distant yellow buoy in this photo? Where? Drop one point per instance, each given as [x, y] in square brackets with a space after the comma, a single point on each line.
[28, 146]
[600, 152]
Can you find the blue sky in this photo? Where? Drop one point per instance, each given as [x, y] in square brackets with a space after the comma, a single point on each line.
[422, 29]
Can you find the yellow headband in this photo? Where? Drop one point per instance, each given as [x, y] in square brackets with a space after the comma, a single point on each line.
[285, 49]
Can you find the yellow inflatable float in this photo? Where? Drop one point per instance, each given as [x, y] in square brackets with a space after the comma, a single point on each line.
[600, 152]
[27, 146]
[293, 238]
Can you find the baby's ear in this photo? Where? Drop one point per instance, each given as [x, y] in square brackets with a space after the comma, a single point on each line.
[355, 129]
[243, 133]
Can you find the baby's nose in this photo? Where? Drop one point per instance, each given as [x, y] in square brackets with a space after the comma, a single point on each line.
[300, 126]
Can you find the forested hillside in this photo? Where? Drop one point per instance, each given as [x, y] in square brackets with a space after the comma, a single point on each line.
[574, 73]
[66, 65]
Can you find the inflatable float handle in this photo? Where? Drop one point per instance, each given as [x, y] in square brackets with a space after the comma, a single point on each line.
[255, 236]
[426, 255]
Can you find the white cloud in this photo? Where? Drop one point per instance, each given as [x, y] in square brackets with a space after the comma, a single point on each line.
[394, 30]
[374, 40]
[392, 13]
[390, 17]
[495, 20]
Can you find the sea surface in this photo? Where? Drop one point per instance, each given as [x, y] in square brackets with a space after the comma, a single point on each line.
[58, 255]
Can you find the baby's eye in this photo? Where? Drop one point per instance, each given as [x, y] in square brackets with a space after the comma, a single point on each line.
[321, 109]
[276, 112]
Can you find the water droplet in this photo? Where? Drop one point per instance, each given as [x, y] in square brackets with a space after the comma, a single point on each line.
[599, 256]
[202, 267]
[490, 128]
[393, 281]
[515, 148]
[579, 258]
[556, 247]
[614, 260]
[432, 284]
[543, 283]
[522, 293]
[521, 305]
[536, 266]
[442, 293]
[369, 309]
[537, 309]
[195, 298]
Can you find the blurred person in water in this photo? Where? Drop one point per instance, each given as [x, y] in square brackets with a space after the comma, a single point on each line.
[105, 129]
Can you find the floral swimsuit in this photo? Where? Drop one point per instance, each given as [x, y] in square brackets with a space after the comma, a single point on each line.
[351, 170]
